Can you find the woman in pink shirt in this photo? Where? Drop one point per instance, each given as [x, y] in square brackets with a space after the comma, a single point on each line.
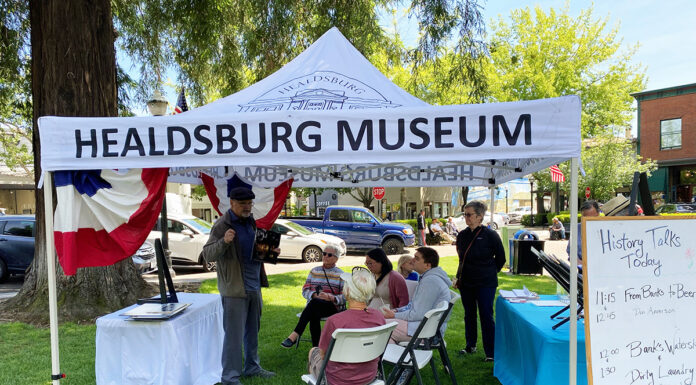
[358, 288]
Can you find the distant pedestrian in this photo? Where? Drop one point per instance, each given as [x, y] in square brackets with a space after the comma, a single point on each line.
[420, 221]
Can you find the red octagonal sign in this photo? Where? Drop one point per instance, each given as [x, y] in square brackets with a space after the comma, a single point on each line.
[378, 192]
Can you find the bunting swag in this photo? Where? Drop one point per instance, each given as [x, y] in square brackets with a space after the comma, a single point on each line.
[104, 216]
[267, 204]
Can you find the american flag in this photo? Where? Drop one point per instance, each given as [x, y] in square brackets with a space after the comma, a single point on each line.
[556, 174]
[181, 105]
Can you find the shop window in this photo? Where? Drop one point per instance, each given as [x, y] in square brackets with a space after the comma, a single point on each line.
[670, 134]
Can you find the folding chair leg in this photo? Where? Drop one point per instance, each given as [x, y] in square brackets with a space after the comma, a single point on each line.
[432, 365]
[415, 369]
[447, 363]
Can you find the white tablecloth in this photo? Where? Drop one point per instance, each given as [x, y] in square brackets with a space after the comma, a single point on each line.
[184, 350]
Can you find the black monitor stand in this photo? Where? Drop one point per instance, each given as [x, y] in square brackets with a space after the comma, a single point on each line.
[162, 274]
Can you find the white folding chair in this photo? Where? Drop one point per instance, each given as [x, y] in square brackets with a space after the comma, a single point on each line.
[355, 346]
[410, 357]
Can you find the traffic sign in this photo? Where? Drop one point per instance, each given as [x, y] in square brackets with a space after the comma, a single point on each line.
[378, 192]
[587, 192]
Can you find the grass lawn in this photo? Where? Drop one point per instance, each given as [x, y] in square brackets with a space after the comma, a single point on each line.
[25, 357]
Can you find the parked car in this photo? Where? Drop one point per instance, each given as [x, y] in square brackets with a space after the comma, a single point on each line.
[360, 229]
[670, 208]
[17, 247]
[516, 215]
[498, 221]
[299, 242]
[186, 235]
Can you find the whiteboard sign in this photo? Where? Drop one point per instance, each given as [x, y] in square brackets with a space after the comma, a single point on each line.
[640, 300]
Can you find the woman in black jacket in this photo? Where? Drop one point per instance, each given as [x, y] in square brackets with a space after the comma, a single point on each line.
[481, 256]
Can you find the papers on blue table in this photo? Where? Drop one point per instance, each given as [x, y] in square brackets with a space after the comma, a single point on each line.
[519, 295]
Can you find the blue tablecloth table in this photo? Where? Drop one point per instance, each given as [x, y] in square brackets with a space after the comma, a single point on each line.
[528, 351]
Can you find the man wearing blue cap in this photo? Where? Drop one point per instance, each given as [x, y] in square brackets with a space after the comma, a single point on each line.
[240, 277]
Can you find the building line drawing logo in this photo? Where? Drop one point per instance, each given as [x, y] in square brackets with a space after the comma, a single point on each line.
[320, 90]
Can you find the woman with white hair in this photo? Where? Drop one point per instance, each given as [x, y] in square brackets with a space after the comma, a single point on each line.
[358, 288]
[323, 291]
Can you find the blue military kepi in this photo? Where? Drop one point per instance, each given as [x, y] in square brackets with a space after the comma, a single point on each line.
[241, 194]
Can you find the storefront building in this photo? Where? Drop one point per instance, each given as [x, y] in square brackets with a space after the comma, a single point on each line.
[667, 135]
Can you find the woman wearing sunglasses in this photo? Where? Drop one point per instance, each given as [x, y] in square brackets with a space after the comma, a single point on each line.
[481, 256]
[391, 289]
[359, 288]
[323, 291]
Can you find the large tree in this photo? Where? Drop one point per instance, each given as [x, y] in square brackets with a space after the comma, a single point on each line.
[74, 75]
[215, 47]
[541, 54]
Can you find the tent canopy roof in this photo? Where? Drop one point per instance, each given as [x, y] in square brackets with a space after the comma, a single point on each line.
[329, 118]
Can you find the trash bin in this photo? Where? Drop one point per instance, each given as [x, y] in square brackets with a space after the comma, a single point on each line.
[507, 235]
[524, 260]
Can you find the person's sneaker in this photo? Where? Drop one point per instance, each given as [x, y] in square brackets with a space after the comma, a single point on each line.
[468, 350]
[488, 359]
[287, 343]
[263, 373]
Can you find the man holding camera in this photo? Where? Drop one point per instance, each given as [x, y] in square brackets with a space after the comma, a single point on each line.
[240, 276]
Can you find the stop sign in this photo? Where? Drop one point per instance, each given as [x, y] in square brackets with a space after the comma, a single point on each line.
[378, 192]
[587, 192]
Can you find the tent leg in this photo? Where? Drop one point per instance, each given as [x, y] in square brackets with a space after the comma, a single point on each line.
[573, 345]
[51, 266]
[492, 208]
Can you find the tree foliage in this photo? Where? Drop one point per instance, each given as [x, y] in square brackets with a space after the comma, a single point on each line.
[609, 163]
[543, 55]
[217, 47]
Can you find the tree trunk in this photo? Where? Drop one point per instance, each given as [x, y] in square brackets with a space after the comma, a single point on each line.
[73, 74]
[364, 196]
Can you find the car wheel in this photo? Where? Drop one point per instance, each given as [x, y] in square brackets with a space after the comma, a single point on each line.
[393, 246]
[209, 266]
[3, 271]
[311, 254]
[494, 226]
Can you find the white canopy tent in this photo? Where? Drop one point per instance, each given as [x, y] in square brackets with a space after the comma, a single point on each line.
[327, 118]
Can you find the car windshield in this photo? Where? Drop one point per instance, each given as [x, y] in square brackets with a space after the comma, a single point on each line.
[298, 228]
[199, 224]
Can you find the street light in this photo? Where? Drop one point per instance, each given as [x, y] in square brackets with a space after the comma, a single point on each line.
[157, 105]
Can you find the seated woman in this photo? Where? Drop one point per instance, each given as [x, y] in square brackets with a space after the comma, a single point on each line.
[436, 228]
[452, 227]
[323, 291]
[359, 287]
[557, 230]
[391, 288]
[405, 267]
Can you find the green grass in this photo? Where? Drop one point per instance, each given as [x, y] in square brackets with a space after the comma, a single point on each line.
[25, 357]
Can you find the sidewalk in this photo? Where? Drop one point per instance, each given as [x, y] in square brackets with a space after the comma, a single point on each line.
[192, 274]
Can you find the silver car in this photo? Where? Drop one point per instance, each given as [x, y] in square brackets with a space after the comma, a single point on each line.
[299, 242]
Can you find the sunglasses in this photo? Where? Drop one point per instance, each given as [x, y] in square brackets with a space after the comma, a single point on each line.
[329, 254]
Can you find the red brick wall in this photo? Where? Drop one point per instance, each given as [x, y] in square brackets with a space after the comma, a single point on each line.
[653, 111]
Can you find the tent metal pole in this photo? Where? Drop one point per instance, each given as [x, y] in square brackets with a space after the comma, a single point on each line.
[573, 339]
[492, 209]
[51, 266]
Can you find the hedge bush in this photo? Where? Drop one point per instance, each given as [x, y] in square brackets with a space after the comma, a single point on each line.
[539, 220]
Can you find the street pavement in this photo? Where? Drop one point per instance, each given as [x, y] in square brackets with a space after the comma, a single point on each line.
[193, 274]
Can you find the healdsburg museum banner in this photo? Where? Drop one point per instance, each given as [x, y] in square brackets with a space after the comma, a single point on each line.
[545, 128]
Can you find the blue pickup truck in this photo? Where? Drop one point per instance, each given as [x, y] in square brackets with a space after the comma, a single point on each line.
[360, 229]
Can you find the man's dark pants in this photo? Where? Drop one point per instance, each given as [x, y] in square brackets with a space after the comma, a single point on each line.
[481, 297]
[241, 322]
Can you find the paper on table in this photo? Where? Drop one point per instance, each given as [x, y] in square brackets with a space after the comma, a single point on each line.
[551, 303]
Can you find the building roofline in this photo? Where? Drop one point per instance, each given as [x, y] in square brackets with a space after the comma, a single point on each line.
[668, 90]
